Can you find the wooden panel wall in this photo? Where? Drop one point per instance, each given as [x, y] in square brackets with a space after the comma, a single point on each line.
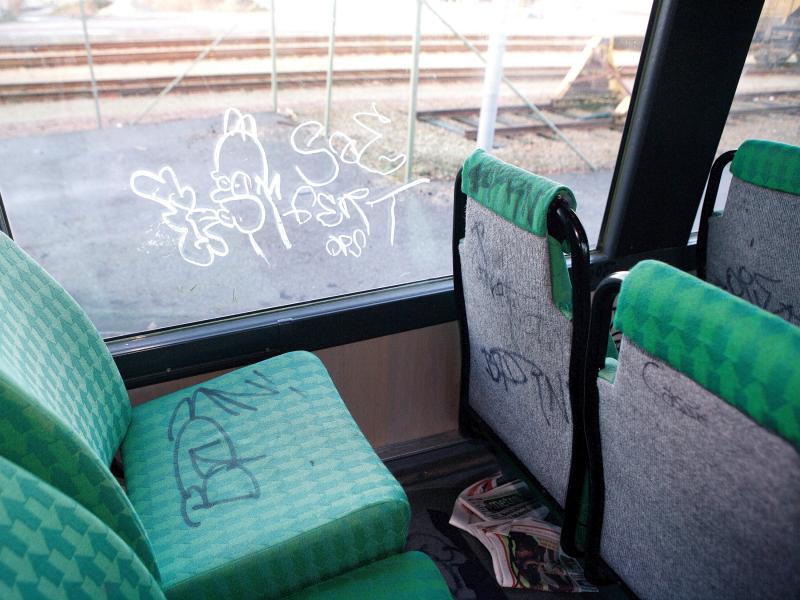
[399, 387]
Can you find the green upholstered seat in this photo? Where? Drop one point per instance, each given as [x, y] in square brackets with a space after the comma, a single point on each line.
[52, 548]
[751, 244]
[520, 320]
[253, 485]
[700, 434]
[517, 299]
[259, 479]
[409, 575]
[64, 406]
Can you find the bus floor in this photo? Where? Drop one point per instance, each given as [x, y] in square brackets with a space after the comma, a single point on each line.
[432, 481]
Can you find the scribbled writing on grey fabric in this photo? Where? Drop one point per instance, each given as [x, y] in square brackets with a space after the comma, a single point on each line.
[758, 289]
[650, 376]
[247, 199]
[503, 290]
[511, 368]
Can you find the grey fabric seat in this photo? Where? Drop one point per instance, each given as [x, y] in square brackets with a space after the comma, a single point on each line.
[750, 248]
[520, 319]
[694, 435]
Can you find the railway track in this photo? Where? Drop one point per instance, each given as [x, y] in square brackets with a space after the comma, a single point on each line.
[464, 121]
[124, 52]
[56, 90]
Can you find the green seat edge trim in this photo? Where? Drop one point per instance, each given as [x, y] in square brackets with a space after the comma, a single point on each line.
[737, 351]
[768, 164]
[521, 198]
[56, 460]
[54, 520]
[407, 576]
[515, 194]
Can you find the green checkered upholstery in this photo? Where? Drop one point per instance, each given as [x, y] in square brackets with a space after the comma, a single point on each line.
[259, 483]
[733, 349]
[409, 575]
[52, 548]
[515, 194]
[768, 164]
[64, 406]
[50, 351]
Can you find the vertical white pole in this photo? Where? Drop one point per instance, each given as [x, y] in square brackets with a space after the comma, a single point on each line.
[88, 46]
[493, 76]
[412, 104]
[274, 53]
[329, 80]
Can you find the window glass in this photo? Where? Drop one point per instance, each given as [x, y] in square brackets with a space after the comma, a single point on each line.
[166, 167]
[765, 106]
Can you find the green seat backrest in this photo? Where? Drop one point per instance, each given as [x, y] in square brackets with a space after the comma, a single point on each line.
[518, 304]
[700, 435]
[51, 547]
[752, 250]
[64, 405]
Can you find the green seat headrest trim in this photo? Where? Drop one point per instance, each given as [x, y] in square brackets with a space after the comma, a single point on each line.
[743, 354]
[768, 164]
[518, 196]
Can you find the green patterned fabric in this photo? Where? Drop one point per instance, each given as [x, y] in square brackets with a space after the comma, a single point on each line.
[743, 354]
[63, 403]
[513, 193]
[50, 350]
[52, 548]
[407, 576]
[768, 164]
[259, 483]
[523, 199]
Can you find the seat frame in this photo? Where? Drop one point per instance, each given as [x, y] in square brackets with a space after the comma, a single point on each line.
[709, 200]
[596, 570]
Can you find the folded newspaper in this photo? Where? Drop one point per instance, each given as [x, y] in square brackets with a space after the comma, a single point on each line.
[509, 521]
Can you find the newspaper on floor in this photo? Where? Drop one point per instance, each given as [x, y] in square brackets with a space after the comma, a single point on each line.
[506, 518]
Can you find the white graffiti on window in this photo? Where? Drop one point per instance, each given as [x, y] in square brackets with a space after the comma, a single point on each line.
[245, 198]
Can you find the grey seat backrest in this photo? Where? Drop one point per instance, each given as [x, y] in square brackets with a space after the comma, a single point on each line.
[517, 300]
[752, 245]
[700, 430]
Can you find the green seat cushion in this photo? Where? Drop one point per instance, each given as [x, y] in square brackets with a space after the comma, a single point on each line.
[51, 547]
[259, 483]
[63, 405]
[407, 576]
[51, 352]
[743, 354]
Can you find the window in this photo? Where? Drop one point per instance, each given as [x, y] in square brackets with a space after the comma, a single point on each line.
[150, 164]
[766, 101]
